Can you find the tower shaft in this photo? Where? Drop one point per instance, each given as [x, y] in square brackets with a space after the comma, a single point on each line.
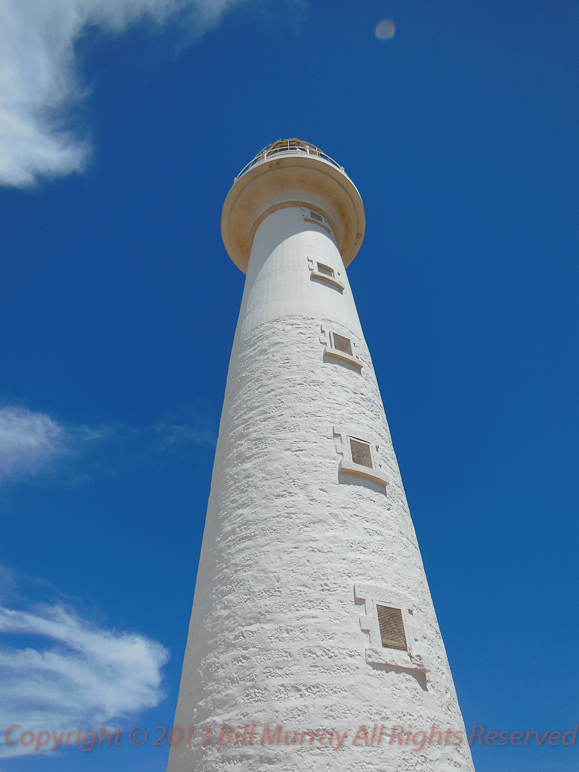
[312, 612]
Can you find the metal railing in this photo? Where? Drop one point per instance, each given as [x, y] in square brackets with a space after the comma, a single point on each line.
[288, 147]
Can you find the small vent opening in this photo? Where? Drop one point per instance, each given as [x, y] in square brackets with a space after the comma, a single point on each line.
[342, 344]
[391, 628]
[361, 453]
[316, 216]
[326, 270]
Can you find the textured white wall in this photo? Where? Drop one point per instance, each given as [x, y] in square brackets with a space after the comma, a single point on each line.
[276, 632]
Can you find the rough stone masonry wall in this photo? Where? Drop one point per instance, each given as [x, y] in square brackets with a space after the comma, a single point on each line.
[275, 635]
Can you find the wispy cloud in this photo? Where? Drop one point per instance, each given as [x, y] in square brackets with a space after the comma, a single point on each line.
[28, 442]
[32, 443]
[39, 80]
[182, 428]
[72, 672]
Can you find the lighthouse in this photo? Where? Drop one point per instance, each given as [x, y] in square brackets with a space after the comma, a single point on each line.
[313, 643]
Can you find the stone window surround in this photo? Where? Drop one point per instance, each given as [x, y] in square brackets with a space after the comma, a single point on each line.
[376, 654]
[306, 213]
[333, 281]
[342, 438]
[327, 339]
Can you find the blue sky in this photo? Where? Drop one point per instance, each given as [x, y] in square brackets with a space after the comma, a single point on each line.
[122, 125]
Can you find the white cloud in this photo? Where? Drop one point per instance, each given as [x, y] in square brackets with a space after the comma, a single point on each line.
[38, 79]
[81, 675]
[31, 442]
[28, 441]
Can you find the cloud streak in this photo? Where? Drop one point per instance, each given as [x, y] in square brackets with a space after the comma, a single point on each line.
[39, 81]
[73, 672]
[32, 443]
[185, 427]
[28, 442]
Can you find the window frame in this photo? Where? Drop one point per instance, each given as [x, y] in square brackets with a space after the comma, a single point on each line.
[410, 659]
[308, 215]
[349, 466]
[365, 445]
[327, 339]
[332, 281]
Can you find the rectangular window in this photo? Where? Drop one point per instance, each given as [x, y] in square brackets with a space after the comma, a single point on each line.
[391, 628]
[342, 343]
[316, 216]
[322, 272]
[326, 270]
[359, 457]
[361, 453]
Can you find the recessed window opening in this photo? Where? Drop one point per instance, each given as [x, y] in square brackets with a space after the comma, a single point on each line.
[324, 273]
[342, 343]
[391, 628]
[316, 216]
[326, 270]
[361, 453]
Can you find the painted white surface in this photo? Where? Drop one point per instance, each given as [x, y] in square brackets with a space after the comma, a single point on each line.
[278, 281]
[296, 554]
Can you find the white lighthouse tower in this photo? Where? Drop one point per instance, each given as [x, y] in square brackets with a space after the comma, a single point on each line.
[313, 644]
